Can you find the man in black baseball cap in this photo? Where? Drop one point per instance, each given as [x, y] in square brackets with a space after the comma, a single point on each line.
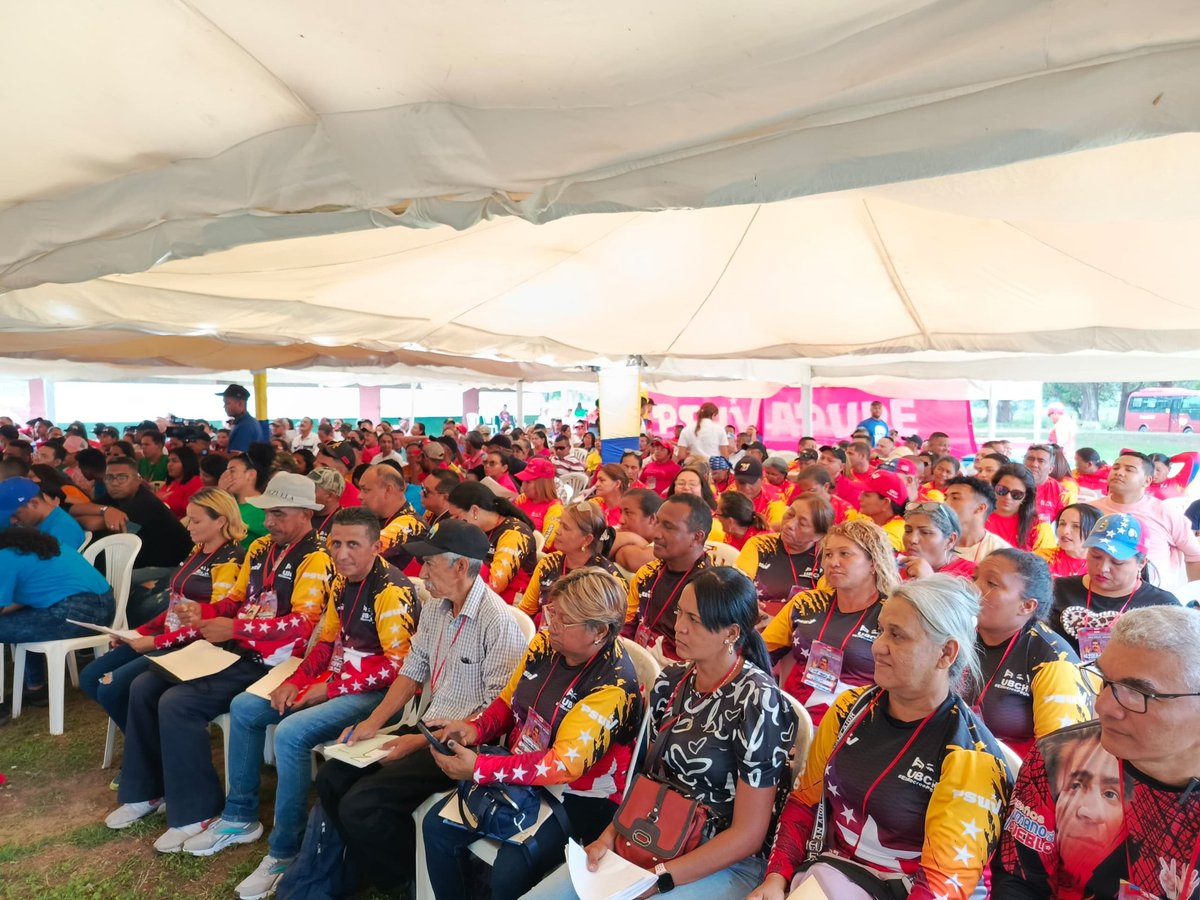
[245, 430]
[452, 536]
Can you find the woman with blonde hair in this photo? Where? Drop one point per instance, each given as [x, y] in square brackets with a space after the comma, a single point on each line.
[830, 630]
[206, 576]
[584, 539]
[707, 438]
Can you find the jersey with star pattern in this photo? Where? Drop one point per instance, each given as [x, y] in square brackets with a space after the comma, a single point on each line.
[368, 624]
[774, 571]
[511, 557]
[593, 721]
[936, 792]
[208, 579]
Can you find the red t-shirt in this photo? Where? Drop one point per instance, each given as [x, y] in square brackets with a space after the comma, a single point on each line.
[659, 476]
[1049, 500]
[849, 490]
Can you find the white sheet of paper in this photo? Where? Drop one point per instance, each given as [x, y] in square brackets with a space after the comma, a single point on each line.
[361, 753]
[197, 660]
[810, 889]
[614, 878]
[125, 634]
[273, 679]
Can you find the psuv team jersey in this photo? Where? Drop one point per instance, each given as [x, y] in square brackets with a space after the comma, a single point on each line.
[549, 569]
[401, 528]
[654, 603]
[1049, 500]
[814, 616]
[1082, 821]
[1075, 608]
[774, 571]
[276, 602]
[511, 558]
[365, 633]
[567, 725]
[1031, 687]
[923, 799]
[203, 577]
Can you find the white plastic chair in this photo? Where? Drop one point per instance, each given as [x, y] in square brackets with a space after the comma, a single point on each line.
[576, 482]
[1010, 756]
[579, 453]
[222, 722]
[804, 735]
[539, 542]
[721, 554]
[87, 539]
[120, 551]
[527, 627]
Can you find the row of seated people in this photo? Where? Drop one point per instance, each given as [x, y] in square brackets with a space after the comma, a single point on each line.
[683, 523]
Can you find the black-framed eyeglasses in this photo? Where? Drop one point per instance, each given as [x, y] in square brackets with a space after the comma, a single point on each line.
[1135, 700]
[1002, 491]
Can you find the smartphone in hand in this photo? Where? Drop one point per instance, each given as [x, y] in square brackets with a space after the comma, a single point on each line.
[439, 746]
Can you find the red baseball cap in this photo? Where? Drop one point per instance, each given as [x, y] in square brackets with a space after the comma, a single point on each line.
[905, 465]
[887, 484]
[537, 467]
[670, 445]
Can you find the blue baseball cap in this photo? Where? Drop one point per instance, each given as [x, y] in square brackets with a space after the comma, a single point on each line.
[15, 493]
[1119, 535]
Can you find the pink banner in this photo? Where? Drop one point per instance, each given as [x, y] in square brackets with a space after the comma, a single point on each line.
[836, 411]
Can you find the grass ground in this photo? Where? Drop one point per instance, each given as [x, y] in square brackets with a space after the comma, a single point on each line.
[53, 842]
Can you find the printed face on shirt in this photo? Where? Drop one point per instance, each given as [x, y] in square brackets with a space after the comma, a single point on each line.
[352, 550]
[1002, 606]
[1112, 577]
[1088, 810]
[845, 563]
[1169, 730]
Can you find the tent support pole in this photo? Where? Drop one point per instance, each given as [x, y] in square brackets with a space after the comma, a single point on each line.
[992, 405]
[1038, 412]
[521, 402]
[806, 399]
[260, 395]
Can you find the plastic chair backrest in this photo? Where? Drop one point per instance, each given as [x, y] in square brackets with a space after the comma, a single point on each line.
[120, 551]
[87, 539]
[721, 554]
[644, 664]
[1011, 757]
[527, 627]
[579, 453]
[539, 540]
[804, 734]
[576, 481]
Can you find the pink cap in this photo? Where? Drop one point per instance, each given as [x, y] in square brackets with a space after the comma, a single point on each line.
[887, 484]
[536, 467]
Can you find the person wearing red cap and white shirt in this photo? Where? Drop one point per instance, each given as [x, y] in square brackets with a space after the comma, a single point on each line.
[538, 498]
[883, 500]
[659, 473]
[1065, 428]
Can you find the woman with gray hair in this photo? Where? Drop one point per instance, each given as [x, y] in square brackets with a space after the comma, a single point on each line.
[904, 784]
[931, 531]
[329, 487]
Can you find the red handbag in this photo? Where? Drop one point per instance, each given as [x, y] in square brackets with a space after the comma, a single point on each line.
[656, 823]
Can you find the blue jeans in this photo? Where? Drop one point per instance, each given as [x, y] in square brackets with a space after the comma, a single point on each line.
[295, 736]
[733, 883]
[31, 623]
[124, 664]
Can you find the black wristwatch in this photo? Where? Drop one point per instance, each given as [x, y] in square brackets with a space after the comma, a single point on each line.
[665, 881]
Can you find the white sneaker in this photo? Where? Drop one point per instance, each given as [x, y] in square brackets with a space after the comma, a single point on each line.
[171, 840]
[221, 834]
[126, 814]
[262, 881]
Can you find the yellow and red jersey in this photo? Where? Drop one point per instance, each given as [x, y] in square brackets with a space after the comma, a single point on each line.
[549, 569]
[774, 571]
[203, 577]
[403, 526]
[511, 557]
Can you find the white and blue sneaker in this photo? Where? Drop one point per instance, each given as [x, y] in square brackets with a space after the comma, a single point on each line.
[263, 880]
[221, 834]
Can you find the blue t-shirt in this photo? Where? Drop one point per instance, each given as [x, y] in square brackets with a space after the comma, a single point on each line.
[41, 583]
[61, 525]
[246, 431]
[412, 493]
[876, 428]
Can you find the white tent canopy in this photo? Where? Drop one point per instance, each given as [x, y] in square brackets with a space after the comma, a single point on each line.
[244, 166]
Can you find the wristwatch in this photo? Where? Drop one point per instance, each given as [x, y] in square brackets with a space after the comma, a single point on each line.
[665, 881]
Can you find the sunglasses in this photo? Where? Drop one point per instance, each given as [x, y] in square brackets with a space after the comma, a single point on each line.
[1002, 491]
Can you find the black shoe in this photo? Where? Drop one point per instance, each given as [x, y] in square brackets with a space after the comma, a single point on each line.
[5, 713]
[36, 698]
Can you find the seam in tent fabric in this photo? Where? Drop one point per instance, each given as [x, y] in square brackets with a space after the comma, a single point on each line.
[897, 283]
[725, 268]
[1095, 268]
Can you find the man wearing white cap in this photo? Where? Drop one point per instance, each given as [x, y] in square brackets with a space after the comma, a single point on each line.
[274, 606]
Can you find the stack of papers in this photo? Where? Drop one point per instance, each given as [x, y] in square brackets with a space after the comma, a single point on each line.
[273, 679]
[614, 878]
[196, 660]
[361, 753]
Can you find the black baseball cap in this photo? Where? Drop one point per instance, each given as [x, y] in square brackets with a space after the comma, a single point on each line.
[236, 391]
[452, 536]
[749, 469]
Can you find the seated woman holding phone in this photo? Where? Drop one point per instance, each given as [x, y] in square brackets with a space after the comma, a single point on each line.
[571, 713]
[206, 576]
[719, 736]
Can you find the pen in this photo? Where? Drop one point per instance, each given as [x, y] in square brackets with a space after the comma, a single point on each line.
[346, 740]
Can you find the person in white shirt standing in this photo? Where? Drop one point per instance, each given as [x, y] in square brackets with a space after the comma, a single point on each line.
[706, 438]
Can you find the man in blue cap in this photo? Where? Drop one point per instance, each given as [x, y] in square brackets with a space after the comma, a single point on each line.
[22, 502]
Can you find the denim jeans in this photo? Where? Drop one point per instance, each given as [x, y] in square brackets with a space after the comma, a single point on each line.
[295, 736]
[31, 623]
[732, 883]
[125, 664]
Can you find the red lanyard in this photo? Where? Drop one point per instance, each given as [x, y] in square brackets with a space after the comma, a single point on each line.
[566, 693]
[895, 760]
[850, 633]
[271, 571]
[812, 582]
[437, 673]
[1011, 642]
[678, 589]
[1188, 872]
[704, 695]
[325, 521]
[180, 580]
[1137, 587]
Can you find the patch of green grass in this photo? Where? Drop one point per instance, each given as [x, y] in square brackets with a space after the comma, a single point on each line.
[11, 852]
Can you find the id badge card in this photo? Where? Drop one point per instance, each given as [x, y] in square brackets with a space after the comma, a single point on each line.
[338, 659]
[824, 667]
[1092, 642]
[172, 620]
[535, 734]
[644, 635]
[268, 604]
